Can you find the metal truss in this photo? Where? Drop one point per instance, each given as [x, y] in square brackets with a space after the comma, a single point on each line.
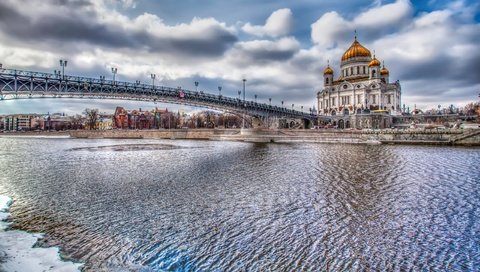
[19, 84]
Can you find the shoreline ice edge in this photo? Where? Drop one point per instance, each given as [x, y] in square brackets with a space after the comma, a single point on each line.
[17, 252]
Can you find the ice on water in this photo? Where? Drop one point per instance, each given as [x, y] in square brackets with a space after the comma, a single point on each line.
[17, 252]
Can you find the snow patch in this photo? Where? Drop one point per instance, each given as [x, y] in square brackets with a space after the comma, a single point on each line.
[17, 252]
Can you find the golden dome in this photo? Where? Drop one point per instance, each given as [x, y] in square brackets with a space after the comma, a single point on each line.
[328, 71]
[384, 71]
[374, 62]
[356, 50]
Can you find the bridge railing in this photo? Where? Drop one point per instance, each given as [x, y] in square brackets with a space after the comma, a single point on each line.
[30, 81]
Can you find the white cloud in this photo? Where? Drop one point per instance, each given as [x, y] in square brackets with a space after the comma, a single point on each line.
[328, 30]
[331, 28]
[279, 23]
[384, 15]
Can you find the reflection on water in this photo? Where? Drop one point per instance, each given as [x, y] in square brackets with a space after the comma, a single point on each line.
[223, 206]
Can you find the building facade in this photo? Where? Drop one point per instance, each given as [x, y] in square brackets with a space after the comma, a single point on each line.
[138, 119]
[17, 122]
[362, 95]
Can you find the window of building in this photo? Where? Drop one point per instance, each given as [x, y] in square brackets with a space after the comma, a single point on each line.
[389, 98]
[358, 70]
[364, 70]
[326, 80]
[333, 101]
[374, 99]
[374, 73]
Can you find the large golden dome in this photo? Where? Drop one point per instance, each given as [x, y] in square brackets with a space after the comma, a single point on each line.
[356, 50]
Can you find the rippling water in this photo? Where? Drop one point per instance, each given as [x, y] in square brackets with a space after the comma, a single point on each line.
[147, 205]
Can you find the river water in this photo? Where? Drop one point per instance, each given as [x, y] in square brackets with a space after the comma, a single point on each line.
[172, 205]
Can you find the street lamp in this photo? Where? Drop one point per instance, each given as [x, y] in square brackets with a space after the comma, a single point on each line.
[293, 106]
[282, 104]
[270, 101]
[301, 107]
[244, 80]
[153, 76]
[196, 86]
[114, 72]
[239, 93]
[63, 63]
[219, 90]
[255, 99]
[243, 123]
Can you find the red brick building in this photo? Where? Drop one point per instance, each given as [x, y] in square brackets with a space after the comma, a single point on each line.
[138, 119]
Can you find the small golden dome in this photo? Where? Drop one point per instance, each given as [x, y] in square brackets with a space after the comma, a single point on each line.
[356, 50]
[328, 71]
[374, 62]
[384, 71]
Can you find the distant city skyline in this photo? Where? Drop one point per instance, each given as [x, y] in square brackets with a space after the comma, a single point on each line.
[280, 47]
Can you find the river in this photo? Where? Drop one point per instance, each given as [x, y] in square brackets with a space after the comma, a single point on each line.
[174, 205]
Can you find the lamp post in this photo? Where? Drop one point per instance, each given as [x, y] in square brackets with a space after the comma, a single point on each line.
[282, 104]
[153, 76]
[239, 93]
[196, 86]
[244, 80]
[293, 105]
[301, 107]
[114, 72]
[219, 91]
[255, 99]
[243, 120]
[63, 64]
[270, 101]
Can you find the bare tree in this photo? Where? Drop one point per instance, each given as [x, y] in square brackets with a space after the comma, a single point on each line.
[92, 116]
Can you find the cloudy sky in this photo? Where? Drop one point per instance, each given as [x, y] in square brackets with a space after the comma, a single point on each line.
[280, 47]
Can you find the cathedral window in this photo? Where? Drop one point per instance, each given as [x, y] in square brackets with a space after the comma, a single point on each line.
[333, 101]
[359, 98]
[358, 70]
[326, 80]
[364, 70]
[389, 98]
[374, 100]
[374, 73]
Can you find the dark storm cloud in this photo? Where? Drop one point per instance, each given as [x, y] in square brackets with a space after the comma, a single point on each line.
[463, 73]
[71, 21]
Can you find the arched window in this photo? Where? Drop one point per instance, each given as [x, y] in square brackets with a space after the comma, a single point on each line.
[326, 80]
[358, 70]
[364, 69]
[374, 73]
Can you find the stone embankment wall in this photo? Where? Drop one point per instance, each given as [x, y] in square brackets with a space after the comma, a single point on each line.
[200, 134]
[469, 137]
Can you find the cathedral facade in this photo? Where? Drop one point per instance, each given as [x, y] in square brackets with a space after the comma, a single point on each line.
[361, 96]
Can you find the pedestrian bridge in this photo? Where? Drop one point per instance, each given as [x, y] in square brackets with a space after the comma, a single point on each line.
[19, 84]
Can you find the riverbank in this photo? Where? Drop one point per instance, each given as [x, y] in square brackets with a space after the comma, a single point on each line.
[18, 251]
[449, 137]
[459, 137]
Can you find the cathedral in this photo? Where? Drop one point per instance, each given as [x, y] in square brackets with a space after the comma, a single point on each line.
[361, 96]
